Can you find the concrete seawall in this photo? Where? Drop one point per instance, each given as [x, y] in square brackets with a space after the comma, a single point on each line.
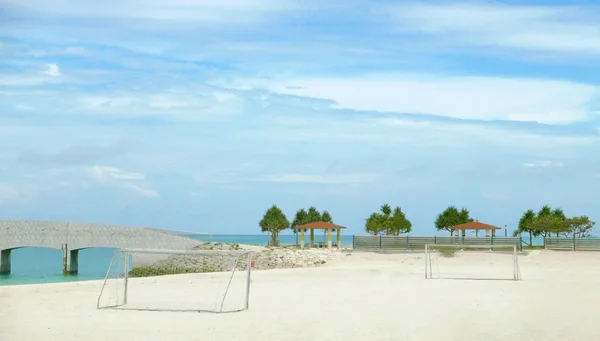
[72, 237]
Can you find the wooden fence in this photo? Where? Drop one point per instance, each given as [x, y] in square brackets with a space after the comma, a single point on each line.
[408, 242]
[572, 244]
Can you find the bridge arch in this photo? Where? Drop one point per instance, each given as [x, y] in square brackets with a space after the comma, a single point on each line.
[74, 236]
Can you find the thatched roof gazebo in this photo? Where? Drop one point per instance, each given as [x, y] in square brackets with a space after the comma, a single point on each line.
[320, 225]
[476, 226]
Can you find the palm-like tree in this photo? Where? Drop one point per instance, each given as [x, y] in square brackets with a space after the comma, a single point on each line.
[300, 219]
[525, 225]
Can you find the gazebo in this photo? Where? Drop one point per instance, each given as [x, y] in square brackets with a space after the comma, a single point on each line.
[476, 226]
[320, 225]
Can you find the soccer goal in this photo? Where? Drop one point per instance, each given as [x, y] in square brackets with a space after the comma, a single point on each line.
[459, 261]
[214, 281]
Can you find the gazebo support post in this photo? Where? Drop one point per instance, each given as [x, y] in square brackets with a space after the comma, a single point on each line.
[329, 238]
[302, 238]
[339, 238]
[312, 238]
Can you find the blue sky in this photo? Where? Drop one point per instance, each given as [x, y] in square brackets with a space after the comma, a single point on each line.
[200, 114]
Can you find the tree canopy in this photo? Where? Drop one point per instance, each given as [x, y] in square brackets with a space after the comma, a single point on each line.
[388, 222]
[312, 215]
[451, 216]
[301, 218]
[326, 217]
[579, 227]
[274, 221]
[526, 225]
[547, 222]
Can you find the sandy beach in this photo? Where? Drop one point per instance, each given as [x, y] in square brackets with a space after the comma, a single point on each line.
[356, 296]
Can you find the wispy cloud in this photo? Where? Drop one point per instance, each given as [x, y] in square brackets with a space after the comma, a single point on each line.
[104, 106]
[543, 164]
[123, 179]
[148, 193]
[113, 173]
[466, 97]
[562, 28]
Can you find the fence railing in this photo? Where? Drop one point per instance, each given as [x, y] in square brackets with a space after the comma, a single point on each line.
[410, 242]
[573, 244]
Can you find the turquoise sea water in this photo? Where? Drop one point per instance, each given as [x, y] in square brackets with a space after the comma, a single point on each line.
[41, 265]
[33, 265]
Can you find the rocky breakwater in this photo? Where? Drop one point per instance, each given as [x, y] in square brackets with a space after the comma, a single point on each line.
[262, 258]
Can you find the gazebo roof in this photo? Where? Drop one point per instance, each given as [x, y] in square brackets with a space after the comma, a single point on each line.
[320, 225]
[475, 225]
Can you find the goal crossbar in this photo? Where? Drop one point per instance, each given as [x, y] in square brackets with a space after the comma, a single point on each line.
[190, 252]
[430, 248]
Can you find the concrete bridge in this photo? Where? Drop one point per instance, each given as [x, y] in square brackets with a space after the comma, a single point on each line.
[72, 237]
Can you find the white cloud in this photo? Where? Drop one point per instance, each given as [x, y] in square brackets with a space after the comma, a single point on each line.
[543, 164]
[148, 193]
[542, 28]
[465, 97]
[334, 133]
[52, 70]
[113, 173]
[123, 179]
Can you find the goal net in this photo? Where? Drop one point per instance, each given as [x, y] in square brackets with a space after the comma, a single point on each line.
[458, 261]
[175, 280]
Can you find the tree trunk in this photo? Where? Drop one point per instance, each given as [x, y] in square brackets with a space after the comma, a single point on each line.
[273, 239]
[530, 239]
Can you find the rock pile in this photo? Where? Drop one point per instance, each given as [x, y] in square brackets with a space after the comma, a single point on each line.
[262, 258]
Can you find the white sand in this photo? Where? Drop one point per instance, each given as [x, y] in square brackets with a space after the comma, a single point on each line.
[363, 296]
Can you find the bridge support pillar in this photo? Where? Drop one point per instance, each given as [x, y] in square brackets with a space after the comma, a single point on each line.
[70, 262]
[5, 262]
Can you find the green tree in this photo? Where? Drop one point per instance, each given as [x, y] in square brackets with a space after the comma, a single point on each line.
[388, 222]
[451, 216]
[375, 224]
[301, 218]
[274, 221]
[313, 215]
[546, 225]
[525, 225]
[548, 221]
[399, 223]
[579, 227]
[326, 217]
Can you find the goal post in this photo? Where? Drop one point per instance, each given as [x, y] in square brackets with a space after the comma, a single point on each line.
[216, 281]
[463, 261]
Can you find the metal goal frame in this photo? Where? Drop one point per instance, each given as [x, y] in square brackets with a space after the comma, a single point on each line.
[515, 259]
[210, 253]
